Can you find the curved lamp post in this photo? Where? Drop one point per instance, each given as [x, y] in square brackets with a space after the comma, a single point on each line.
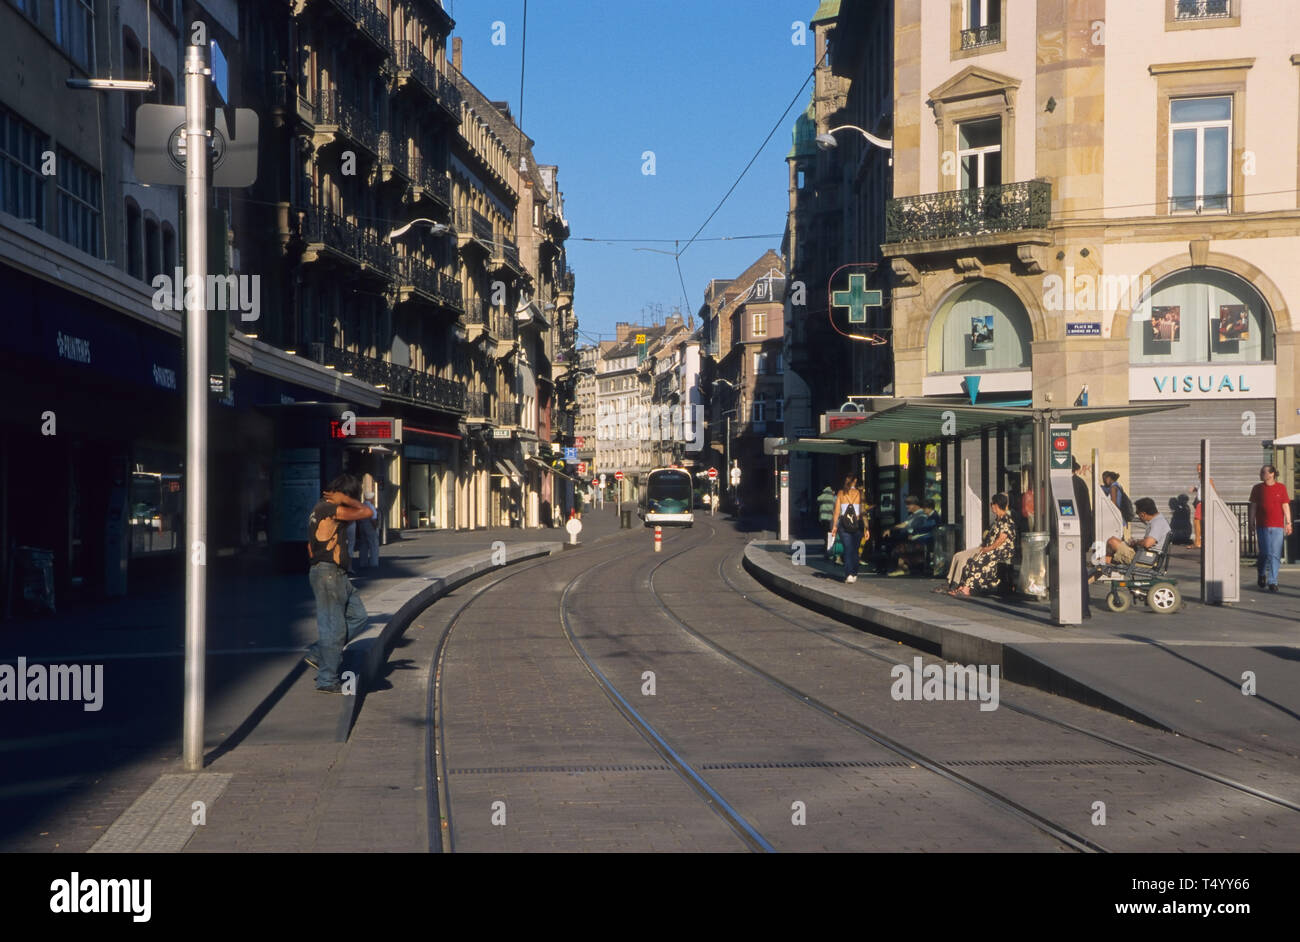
[436, 228]
[827, 141]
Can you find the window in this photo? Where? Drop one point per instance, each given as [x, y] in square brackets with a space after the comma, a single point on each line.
[979, 153]
[152, 249]
[1185, 10]
[778, 364]
[1202, 315]
[778, 410]
[760, 324]
[131, 237]
[22, 191]
[760, 363]
[31, 7]
[758, 411]
[1200, 140]
[79, 207]
[74, 30]
[131, 69]
[981, 23]
[985, 327]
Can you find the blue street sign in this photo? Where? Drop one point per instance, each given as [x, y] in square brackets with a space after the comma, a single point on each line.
[571, 455]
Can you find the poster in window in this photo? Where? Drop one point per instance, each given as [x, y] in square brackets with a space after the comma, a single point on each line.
[1165, 323]
[1234, 323]
[981, 332]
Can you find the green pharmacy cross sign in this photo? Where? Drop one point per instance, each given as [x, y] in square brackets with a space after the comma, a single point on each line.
[857, 299]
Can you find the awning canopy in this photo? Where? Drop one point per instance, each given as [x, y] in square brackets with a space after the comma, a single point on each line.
[509, 470]
[823, 446]
[918, 420]
[1290, 440]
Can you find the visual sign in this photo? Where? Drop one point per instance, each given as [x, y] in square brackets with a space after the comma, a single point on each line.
[1061, 458]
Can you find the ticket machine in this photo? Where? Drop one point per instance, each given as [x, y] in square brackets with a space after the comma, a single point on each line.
[1067, 583]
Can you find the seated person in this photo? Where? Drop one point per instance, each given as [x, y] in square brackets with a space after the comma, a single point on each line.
[918, 537]
[1122, 552]
[998, 546]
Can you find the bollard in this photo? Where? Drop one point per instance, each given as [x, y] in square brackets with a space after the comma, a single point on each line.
[659, 539]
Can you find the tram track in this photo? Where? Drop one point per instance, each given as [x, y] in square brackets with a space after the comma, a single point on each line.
[1204, 774]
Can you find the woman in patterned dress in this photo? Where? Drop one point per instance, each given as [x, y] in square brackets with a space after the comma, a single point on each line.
[998, 547]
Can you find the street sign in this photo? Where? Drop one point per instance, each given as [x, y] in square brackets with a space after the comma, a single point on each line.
[1061, 459]
[571, 455]
[160, 146]
[501, 433]
[602, 479]
[582, 467]
[713, 474]
[579, 441]
[618, 475]
[735, 475]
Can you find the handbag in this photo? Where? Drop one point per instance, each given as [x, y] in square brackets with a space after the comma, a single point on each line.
[838, 547]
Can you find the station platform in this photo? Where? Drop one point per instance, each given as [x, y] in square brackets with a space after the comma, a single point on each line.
[1183, 672]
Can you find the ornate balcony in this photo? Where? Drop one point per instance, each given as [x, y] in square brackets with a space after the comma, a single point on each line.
[416, 71]
[965, 213]
[505, 254]
[471, 225]
[328, 233]
[373, 24]
[392, 158]
[1202, 9]
[416, 277]
[401, 382]
[432, 182]
[335, 116]
[508, 412]
[981, 36]
[377, 256]
[478, 407]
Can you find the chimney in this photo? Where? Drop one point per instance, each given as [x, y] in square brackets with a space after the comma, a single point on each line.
[455, 53]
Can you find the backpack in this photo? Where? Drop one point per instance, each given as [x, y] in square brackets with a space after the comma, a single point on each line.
[850, 520]
[1126, 508]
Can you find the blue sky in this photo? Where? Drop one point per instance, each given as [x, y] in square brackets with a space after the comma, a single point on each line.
[699, 83]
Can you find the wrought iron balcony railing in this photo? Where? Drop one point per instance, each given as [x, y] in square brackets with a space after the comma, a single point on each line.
[478, 405]
[374, 25]
[322, 227]
[432, 180]
[482, 226]
[508, 412]
[401, 382]
[332, 109]
[426, 75]
[960, 213]
[377, 254]
[981, 36]
[393, 152]
[475, 311]
[1202, 9]
[429, 281]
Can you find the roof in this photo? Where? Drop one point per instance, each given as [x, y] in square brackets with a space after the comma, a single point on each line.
[804, 135]
[828, 10]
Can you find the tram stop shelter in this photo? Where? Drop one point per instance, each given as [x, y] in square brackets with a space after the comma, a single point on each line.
[987, 448]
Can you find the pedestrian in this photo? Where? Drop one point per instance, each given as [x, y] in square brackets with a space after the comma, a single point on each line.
[826, 514]
[340, 615]
[1087, 529]
[577, 503]
[1195, 491]
[849, 523]
[367, 532]
[998, 547]
[1270, 517]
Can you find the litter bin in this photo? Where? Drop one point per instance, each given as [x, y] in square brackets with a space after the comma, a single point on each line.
[1031, 566]
[626, 522]
[35, 571]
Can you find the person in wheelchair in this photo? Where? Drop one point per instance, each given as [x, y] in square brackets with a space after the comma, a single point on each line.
[1123, 552]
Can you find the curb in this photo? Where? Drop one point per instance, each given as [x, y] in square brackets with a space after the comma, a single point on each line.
[954, 639]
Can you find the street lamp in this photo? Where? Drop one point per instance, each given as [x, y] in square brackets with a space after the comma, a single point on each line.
[827, 141]
[436, 228]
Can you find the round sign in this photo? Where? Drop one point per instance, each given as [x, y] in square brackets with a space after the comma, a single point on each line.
[574, 526]
[582, 467]
[602, 479]
[618, 475]
[713, 474]
[1060, 444]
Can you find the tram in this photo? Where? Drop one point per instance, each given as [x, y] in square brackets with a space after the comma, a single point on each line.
[667, 498]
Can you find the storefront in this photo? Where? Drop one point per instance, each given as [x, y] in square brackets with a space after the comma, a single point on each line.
[1204, 337]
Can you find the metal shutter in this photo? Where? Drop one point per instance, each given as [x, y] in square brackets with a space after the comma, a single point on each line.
[1165, 447]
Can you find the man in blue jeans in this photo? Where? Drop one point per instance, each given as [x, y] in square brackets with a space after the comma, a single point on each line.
[1270, 517]
[340, 616]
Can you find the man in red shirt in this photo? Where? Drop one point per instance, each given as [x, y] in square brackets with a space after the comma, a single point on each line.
[1270, 515]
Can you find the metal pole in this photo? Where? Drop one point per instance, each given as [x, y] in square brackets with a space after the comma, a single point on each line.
[196, 403]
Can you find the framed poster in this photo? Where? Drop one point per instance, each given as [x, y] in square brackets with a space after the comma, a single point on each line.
[1234, 323]
[1166, 322]
[981, 332]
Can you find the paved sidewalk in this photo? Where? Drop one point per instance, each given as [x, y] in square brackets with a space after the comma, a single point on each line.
[68, 773]
[1183, 671]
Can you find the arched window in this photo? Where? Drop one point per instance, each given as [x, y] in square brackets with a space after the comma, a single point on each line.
[983, 327]
[133, 237]
[1201, 315]
[152, 248]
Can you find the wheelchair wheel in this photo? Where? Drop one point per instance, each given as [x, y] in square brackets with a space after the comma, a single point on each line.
[1119, 600]
[1164, 598]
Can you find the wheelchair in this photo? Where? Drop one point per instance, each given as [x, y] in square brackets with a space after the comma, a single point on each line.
[1144, 580]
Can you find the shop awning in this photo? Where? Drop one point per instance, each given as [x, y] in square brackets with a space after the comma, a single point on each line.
[917, 420]
[823, 446]
[506, 469]
[546, 467]
[1289, 441]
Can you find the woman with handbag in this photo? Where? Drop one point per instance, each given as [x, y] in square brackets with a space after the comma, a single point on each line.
[849, 524]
